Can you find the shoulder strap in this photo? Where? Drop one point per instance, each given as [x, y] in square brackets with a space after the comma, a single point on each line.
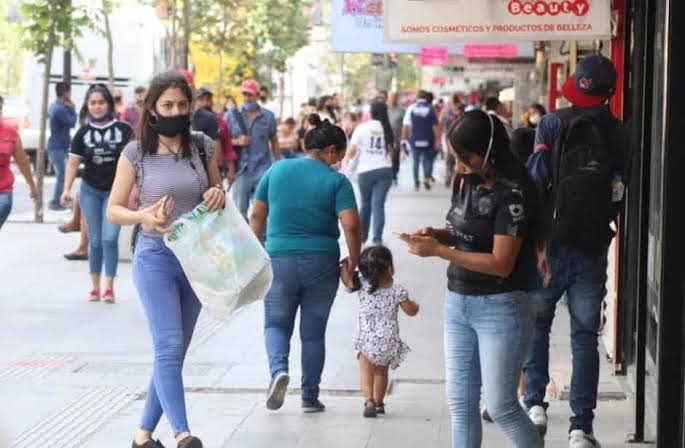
[566, 115]
[202, 151]
[241, 121]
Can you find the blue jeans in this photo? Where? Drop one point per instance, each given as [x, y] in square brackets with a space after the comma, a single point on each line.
[310, 283]
[374, 186]
[5, 206]
[58, 160]
[423, 157]
[243, 190]
[171, 308]
[486, 339]
[584, 282]
[103, 236]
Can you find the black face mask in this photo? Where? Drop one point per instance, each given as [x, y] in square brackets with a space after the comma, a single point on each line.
[475, 178]
[263, 99]
[170, 126]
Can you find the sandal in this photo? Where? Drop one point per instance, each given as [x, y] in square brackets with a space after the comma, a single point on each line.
[66, 229]
[94, 295]
[380, 408]
[108, 297]
[76, 256]
[370, 409]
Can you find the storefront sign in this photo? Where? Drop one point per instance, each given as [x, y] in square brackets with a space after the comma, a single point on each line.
[491, 51]
[434, 56]
[495, 20]
[357, 27]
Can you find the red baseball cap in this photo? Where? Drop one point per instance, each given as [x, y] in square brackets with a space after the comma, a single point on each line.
[593, 82]
[190, 79]
[250, 86]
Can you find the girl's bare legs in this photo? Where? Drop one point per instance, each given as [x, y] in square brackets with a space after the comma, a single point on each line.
[367, 377]
[380, 384]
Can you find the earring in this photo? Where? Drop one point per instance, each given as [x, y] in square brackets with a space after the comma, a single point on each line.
[152, 121]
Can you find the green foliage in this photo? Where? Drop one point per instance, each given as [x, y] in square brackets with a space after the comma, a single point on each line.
[10, 50]
[41, 17]
[254, 34]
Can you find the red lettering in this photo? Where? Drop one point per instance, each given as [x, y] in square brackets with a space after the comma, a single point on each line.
[581, 7]
[515, 7]
[540, 8]
[528, 8]
[554, 8]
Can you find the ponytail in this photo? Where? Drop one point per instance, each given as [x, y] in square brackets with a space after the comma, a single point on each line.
[379, 111]
[324, 135]
[373, 265]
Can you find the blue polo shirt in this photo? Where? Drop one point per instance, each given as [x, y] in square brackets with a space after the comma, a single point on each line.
[256, 158]
[304, 197]
[62, 119]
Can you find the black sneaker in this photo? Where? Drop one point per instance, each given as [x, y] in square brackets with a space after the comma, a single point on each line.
[277, 389]
[149, 444]
[370, 410]
[56, 207]
[312, 406]
[190, 442]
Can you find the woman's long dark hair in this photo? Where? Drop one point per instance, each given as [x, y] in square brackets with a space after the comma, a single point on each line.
[373, 264]
[324, 135]
[148, 136]
[379, 111]
[106, 94]
[471, 133]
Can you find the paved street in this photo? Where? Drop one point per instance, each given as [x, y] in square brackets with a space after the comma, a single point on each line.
[73, 374]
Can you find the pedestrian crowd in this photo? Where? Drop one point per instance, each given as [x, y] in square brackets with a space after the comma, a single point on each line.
[529, 222]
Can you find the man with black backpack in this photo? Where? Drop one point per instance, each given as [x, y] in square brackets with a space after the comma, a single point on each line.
[579, 166]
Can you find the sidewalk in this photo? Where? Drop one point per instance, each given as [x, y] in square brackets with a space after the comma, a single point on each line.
[73, 374]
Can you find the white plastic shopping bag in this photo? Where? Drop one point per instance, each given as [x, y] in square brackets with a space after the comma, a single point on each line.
[225, 263]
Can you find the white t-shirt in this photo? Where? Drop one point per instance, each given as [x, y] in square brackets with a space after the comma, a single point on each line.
[370, 142]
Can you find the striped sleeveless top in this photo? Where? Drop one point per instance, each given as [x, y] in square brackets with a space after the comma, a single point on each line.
[160, 174]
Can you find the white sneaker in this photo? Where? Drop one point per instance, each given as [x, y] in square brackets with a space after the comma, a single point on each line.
[538, 416]
[580, 439]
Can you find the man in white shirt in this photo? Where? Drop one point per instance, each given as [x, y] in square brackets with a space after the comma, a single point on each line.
[265, 102]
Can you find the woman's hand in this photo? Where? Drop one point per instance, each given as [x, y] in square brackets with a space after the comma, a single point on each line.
[154, 219]
[423, 246]
[426, 231]
[65, 199]
[215, 198]
[33, 193]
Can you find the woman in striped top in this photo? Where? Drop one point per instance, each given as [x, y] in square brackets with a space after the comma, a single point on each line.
[165, 162]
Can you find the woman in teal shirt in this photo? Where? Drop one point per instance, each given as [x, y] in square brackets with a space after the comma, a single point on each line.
[304, 199]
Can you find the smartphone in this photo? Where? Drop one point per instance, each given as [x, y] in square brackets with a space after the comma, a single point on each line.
[168, 205]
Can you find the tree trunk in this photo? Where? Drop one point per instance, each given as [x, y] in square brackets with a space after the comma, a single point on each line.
[40, 152]
[186, 34]
[174, 36]
[281, 94]
[110, 49]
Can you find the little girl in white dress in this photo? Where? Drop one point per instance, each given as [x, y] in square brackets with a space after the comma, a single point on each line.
[378, 342]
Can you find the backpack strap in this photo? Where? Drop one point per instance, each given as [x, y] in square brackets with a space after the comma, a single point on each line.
[241, 121]
[566, 115]
[199, 140]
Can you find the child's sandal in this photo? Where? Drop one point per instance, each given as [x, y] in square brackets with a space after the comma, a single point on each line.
[370, 409]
